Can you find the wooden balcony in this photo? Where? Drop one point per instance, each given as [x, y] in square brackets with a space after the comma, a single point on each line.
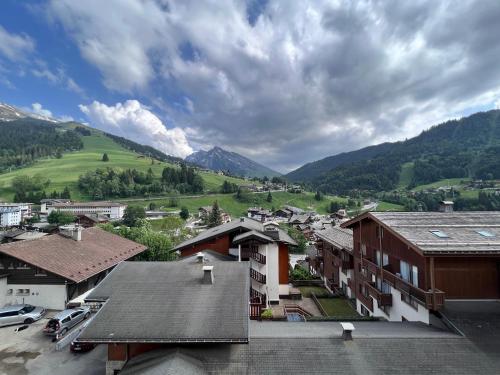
[347, 264]
[433, 300]
[258, 257]
[350, 283]
[257, 276]
[383, 299]
[372, 267]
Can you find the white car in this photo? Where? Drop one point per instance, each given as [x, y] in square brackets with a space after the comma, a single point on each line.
[20, 314]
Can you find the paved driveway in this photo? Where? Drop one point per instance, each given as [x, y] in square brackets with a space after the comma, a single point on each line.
[31, 352]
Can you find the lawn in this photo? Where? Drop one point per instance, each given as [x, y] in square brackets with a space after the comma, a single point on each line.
[319, 291]
[236, 208]
[445, 182]
[65, 171]
[338, 307]
[386, 206]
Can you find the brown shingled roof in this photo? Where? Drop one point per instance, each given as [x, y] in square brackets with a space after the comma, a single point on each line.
[75, 260]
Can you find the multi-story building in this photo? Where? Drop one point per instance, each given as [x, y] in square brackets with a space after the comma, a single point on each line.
[46, 203]
[407, 263]
[23, 209]
[263, 245]
[113, 210]
[10, 216]
[334, 260]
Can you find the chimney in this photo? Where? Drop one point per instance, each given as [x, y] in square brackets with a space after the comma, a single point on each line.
[71, 231]
[242, 219]
[208, 274]
[199, 257]
[446, 206]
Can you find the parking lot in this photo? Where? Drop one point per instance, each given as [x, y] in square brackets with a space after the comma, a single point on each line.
[30, 351]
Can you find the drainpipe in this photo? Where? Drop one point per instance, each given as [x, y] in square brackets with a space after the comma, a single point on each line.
[239, 253]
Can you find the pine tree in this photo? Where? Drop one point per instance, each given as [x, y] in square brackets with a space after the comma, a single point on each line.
[269, 197]
[105, 157]
[214, 218]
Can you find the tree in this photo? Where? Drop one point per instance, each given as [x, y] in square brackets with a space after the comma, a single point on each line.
[59, 154]
[184, 214]
[214, 218]
[105, 157]
[152, 206]
[318, 196]
[66, 194]
[334, 207]
[132, 214]
[269, 197]
[61, 218]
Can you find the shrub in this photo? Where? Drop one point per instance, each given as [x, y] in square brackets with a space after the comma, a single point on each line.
[267, 314]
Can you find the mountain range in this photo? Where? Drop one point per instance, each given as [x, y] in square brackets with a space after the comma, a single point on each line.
[218, 159]
[468, 148]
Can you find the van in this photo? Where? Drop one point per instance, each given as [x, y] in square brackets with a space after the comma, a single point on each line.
[63, 321]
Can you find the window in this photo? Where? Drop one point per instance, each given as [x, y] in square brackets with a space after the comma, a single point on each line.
[40, 272]
[66, 320]
[364, 311]
[485, 233]
[23, 292]
[439, 234]
[9, 292]
[409, 273]
[75, 314]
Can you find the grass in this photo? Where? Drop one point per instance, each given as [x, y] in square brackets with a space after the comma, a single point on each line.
[65, 171]
[386, 206]
[440, 183]
[306, 291]
[406, 175]
[236, 208]
[337, 307]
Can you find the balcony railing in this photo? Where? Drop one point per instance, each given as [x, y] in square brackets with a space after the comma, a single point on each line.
[347, 264]
[261, 258]
[257, 276]
[433, 300]
[383, 299]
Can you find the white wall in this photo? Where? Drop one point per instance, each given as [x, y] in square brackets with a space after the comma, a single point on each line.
[3, 290]
[272, 267]
[47, 296]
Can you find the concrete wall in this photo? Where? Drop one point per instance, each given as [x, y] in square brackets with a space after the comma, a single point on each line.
[343, 278]
[47, 296]
[3, 290]
[272, 274]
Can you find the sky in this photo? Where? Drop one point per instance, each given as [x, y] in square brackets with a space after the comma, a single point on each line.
[281, 82]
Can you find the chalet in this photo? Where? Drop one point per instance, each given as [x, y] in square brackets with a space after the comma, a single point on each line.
[300, 219]
[259, 213]
[197, 301]
[112, 210]
[334, 258]
[91, 220]
[263, 245]
[52, 270]
[407, 263]
[204, 213]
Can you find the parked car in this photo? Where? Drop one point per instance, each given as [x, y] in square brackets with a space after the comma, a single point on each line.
[20, 314]
[81, 347]
[63, 321]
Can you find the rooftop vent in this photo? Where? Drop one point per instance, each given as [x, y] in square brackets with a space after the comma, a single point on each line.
[208, 274]
[242, 219]
[71, 231]
[199, 257]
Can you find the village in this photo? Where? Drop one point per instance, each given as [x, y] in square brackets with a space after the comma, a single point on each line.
[82, 283]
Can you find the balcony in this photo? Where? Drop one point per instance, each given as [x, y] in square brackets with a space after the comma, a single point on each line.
[383, 299]
[257, 276]
[350, 283]
[347, 264]
[433, 300]
[372, 267]
[258, 257]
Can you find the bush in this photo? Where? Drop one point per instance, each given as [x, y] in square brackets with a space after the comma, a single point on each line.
[300, 273]
[267, 314]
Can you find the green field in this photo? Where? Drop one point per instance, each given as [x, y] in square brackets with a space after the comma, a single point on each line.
[386, 206]
[440, 183]
[65, 171]
[236, 208]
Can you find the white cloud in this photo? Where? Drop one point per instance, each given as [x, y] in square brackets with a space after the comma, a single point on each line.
[38, 109]
[497, 104]
[307, 78]
[15, 47]
[56, 77]
[136, 122]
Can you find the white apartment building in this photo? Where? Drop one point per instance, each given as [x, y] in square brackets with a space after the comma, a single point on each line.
[113, 210]
[10, 216]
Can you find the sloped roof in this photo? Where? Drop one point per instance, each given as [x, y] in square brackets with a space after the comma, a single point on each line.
[339, 237]
[253, 234]
[460, 229]
[168, 302]
[242, 225]
[97, 251]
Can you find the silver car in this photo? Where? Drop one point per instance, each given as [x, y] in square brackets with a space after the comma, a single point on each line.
[20, 314]
[63, 321]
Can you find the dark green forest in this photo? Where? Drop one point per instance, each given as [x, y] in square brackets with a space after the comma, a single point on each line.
[25, 140]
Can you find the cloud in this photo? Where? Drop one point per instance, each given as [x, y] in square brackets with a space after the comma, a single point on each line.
[15, 47]
[136, 122]
[56, 77]
[38, 109]
[289, 82]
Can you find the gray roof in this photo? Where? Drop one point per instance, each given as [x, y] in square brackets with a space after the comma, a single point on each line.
[338, 237]
[253, 234]
[461, 229]
[167, 302]
[241, 225]
[299, 218]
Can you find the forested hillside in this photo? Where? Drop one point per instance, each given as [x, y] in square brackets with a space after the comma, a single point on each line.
[25, 140]
[469, 147]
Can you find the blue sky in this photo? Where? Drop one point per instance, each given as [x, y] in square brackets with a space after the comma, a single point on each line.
[283, 83]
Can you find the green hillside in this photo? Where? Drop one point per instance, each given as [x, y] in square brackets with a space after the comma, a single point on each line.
[65, 171]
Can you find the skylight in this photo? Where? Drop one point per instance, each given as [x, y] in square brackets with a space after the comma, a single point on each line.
[485, 233]
[439, 234]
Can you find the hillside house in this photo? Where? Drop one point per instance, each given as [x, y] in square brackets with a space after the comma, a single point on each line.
[264, 245]
[406, 264]
[204, 213]
[51, 270]
[259, 214]
[112, 210]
